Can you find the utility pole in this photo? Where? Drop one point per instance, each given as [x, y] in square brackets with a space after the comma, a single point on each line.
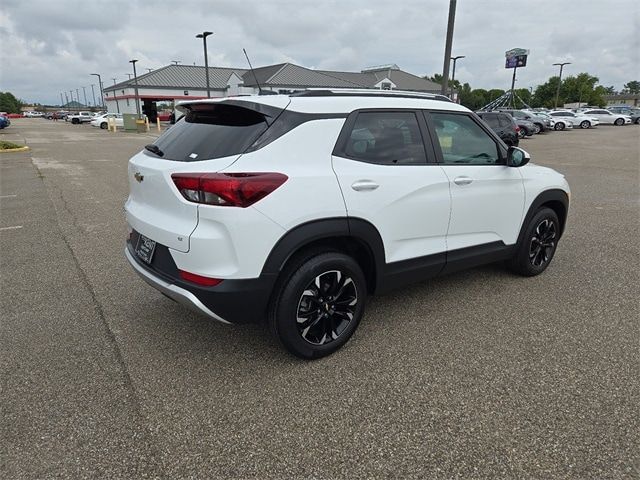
[101, 91]
[135, 81]
[204, 36]
[78, 98]
[453, 75]
[84, 91]
[115, 96]
[559, 81]
[447, 47]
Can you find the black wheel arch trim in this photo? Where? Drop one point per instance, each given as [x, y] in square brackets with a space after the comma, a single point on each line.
[307, 233]
[554, 195]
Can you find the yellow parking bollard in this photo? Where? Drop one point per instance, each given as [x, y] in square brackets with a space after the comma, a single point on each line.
[146, 123]
[158, 122]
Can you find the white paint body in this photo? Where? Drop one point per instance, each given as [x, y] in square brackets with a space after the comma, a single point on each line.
[418, 210]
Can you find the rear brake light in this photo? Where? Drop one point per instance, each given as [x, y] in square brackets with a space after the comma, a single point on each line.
[199, 279]
[517, 129]
[227, 189]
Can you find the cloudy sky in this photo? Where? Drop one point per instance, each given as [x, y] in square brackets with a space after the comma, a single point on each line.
[51, 46]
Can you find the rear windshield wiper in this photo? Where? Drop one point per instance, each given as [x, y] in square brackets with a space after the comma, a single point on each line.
[154, 149]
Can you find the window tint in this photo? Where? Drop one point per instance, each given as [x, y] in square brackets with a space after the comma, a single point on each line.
[211, 131]
[505, 120]
[390, 138]
[462, 141]
[491, 119]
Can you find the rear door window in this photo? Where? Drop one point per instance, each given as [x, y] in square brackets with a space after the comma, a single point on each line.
[388, 138]
[505, 120]
[210, 131]
[491, 119]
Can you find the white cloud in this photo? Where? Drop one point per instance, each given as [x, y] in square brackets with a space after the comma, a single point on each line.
[49, 47]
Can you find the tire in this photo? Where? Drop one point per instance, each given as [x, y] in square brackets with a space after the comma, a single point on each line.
[537, 128]
[306, 316]
[637, 122]
[75, 121]
[585, 124]
[619, 122]
[559, 126]
[103, 125]
[539, 243]
[522, 132]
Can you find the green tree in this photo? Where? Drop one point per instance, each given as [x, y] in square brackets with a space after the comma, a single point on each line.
[632, 87]
[9, 103]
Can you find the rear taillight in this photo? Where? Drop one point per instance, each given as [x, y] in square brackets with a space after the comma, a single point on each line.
[227, 189]
[517, 129]
[199, 279]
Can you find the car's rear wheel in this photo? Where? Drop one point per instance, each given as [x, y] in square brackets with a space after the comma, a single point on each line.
[559, 126]
[75, 121]
[535, 252]
[619, 121]
[585, 124]
[319, 304]
[537, 128]
[103, 125]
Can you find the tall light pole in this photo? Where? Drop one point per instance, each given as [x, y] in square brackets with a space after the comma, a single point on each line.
[453, 74]
[84, 91]
[115, 96]
[135, 82]
[204, 36]
[78, 98]
[71, 95]
[101, 91]
[93, 94]
[559, 81]
[447, 46]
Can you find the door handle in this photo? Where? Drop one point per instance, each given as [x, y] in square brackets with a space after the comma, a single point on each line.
[462, 180]
[363, 185]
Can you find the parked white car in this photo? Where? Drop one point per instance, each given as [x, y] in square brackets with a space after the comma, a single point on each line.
[395, 187]
[33, 114]
[80, 117]
[576, 119]
[102, 121]
[608, 118]
[557, 123]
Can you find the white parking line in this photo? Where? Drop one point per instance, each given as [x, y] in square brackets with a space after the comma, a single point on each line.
[8, 196]
[16, 227]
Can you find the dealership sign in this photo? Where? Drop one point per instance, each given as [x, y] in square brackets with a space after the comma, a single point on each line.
[516, 57]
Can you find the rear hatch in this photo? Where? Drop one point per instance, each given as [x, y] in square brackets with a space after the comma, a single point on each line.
[210, 137]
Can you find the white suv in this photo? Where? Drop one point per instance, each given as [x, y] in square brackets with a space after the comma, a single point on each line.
[293, 209]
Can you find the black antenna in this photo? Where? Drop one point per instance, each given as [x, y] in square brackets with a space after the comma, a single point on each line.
[252, 71]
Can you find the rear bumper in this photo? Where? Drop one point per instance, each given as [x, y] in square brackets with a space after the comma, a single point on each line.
[232, 301]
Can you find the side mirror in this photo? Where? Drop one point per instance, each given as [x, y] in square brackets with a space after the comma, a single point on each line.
[517, 157]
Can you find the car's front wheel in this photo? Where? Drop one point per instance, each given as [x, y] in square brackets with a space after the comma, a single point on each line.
[559, 126]
[535, 252]
[585, 124]
[619, 121]
[319, 304]
[103, 125]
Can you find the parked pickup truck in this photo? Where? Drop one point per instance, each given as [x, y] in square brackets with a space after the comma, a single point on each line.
[80, 117]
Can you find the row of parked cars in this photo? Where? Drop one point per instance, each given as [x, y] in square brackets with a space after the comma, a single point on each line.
[512, 124]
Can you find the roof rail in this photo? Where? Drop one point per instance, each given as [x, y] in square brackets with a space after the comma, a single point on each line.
[366, 92]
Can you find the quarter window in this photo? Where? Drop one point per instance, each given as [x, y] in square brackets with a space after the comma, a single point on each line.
[462, 141]
[388, 138]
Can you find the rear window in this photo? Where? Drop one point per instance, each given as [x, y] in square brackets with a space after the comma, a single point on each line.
[211, 131]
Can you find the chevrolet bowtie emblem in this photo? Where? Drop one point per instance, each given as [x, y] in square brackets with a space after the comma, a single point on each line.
[138, 177]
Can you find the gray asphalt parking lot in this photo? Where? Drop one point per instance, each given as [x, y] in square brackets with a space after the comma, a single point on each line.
[480, 374]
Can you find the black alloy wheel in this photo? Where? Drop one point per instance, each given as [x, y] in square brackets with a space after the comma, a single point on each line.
[318, 303]
[326, 307]
[538, 244]
[103, 125]
[543, 243]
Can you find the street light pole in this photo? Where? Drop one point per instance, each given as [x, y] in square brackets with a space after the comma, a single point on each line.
[204, 36]
[453, 74]
[135, 82]
[115, 96]
[93, 94]
[447, 46]
[84, 91]
[559, 81]
[61, 100]
[78, 98]
[101, 91]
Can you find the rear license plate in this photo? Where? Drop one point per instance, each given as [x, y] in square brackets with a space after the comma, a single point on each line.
[145, 248]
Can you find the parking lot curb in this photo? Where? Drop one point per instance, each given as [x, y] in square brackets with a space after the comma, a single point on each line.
[10, 150]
